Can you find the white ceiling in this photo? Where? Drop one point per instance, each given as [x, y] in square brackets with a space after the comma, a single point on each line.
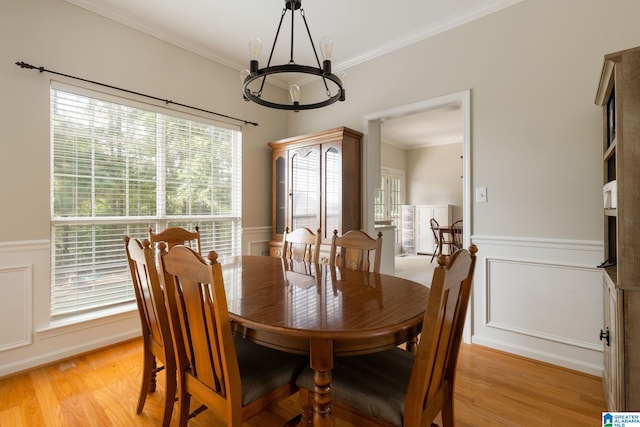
[434, 127]
[360, 30]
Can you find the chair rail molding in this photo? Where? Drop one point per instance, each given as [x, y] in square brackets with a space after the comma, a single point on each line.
[540, 298]
[531, 242]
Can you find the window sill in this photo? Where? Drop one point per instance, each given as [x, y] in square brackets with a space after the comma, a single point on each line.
[89, 320]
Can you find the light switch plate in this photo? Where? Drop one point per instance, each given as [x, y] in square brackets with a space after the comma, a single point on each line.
[481, 194]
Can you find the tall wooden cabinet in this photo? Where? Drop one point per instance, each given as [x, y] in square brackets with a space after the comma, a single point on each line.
[619, 96]
[317, 183]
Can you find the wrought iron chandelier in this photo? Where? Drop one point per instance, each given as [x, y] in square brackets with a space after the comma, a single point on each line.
[254, 79]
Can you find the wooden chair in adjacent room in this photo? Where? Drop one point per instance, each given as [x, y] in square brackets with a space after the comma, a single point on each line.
[177, 236]
[354, 250]
[438, 239]
[232, 377]
[395, 387]
[301, 244]
[156, 334]
[456, 235]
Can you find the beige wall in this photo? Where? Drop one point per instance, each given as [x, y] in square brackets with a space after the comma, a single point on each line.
[532, 70]
[393, 157]
[71, 40]
[434, 177]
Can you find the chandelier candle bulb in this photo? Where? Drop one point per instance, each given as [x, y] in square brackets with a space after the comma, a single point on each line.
[343, 78]
[294, 91]
[255, 46]
[326, 48]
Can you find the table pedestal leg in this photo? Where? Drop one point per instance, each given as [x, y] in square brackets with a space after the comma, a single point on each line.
[321, 353]
[412, 345]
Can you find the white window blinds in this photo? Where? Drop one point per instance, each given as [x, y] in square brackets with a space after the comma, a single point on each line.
[120, 167]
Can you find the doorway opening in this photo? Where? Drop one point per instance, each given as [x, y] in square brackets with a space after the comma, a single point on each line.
[372, 151]
[372, 127]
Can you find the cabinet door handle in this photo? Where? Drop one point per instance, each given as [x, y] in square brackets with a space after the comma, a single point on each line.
[604, 335]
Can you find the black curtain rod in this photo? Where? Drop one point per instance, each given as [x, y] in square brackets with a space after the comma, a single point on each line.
[23, 64]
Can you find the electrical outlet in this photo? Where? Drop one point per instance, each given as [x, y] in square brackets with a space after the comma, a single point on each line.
[481, 194]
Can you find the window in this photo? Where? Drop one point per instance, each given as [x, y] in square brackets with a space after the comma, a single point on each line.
[390, 197]
[120, 167]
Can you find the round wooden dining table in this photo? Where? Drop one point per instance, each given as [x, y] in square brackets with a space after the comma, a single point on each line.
[322, 311]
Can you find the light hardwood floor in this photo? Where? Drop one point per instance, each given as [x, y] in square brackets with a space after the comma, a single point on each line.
[101, 388]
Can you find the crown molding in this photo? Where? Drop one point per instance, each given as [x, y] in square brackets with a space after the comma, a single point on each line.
[393, 45]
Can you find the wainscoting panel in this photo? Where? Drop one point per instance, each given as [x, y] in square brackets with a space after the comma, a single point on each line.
[559, 289]
[255, 240]
[15, 306]
[540, 298]
[28, 338]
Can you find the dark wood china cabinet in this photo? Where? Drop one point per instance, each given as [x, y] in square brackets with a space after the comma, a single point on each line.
[317, 183]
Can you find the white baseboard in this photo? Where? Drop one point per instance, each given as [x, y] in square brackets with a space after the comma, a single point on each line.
[41, 359]
[595, 369]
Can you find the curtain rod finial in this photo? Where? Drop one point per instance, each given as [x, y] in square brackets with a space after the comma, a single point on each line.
[23, 64]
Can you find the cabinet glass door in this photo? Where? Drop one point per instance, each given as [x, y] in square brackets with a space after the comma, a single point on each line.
[280, 194]
[332, 191]
[305, 189]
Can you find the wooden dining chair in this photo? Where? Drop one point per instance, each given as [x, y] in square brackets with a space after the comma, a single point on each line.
[456, 235]
[156, 334]
[230, 376]
[177, 236]
[301, 244]
[440, 243]
[396, 387]
[354, 250]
